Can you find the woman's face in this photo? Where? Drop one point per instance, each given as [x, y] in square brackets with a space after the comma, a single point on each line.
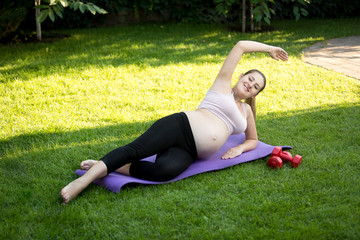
[249, 85]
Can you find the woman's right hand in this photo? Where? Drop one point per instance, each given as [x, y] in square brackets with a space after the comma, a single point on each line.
[278, 53]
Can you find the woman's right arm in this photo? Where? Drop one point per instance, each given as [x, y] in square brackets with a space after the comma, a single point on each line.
[223, 80]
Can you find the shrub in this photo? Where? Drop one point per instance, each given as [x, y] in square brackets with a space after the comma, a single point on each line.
[320, 8]
[12, 15]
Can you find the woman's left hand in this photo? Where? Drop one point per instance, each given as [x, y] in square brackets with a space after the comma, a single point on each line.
[278, 53]
[233, 152]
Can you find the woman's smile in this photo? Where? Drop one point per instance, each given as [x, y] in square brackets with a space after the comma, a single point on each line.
[246, 87]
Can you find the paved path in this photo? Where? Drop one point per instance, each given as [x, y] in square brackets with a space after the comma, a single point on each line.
[340, 54]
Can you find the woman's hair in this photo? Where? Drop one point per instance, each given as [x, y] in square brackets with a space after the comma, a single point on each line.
[255, 70]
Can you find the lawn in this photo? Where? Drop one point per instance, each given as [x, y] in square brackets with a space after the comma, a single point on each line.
[82, 96]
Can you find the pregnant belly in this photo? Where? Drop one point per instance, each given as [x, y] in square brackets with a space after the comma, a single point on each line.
[210, 132]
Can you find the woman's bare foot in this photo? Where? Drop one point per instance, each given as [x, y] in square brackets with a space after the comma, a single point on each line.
[87, 164]
[72, 190]
[97, 170]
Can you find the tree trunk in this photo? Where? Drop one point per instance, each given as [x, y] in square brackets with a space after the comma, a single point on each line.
[38, 25]
[261, 17]
[243, 16]
[252, 17]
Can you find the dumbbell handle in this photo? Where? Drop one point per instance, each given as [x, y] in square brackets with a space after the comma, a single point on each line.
[286, 156]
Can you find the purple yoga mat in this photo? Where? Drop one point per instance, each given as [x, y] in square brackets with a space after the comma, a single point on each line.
[115, 181]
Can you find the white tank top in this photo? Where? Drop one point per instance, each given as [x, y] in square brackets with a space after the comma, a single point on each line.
[224, 106]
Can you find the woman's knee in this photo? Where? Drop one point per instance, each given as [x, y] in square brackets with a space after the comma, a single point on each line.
[168, 165]
[166, 172]
[172, 163]
[152, 171]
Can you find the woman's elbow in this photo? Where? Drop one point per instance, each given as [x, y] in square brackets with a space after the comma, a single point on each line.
[254, 143]
[241, 44]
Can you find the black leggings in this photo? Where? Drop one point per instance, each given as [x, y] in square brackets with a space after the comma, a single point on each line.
[170, 138]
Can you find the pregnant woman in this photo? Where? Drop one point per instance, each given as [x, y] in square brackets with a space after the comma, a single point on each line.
[178, 139]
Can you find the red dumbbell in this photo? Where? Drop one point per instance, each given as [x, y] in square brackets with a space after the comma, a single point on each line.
[278, 155]
[275, 162]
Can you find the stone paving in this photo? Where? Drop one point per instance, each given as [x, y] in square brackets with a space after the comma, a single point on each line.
[340, 54]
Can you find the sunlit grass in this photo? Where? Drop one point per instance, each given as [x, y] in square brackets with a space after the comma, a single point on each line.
[82, 96]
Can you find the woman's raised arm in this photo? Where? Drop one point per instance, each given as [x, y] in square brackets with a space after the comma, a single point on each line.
[223, 80]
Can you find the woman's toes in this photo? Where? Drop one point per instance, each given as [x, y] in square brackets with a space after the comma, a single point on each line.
[87, 164]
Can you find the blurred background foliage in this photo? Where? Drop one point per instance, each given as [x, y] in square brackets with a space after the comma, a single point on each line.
[17, 18]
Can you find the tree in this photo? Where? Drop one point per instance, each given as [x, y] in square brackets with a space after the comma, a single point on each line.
[56, 8]
[243, 29]
[260, 10]
[38, 24]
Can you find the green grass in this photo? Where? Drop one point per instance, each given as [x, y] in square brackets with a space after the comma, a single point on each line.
[80, 97]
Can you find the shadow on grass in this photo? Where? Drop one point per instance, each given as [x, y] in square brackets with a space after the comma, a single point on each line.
[309, 131]
[32, 166]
